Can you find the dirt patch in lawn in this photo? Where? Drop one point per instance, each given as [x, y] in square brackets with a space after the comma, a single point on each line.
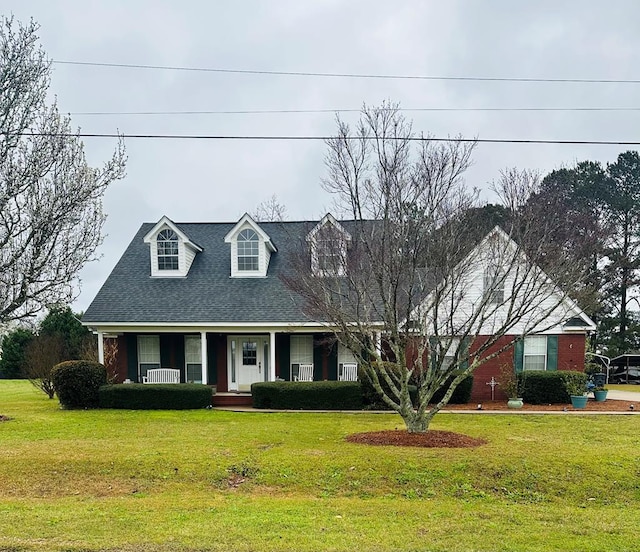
[4, 418]
[432, 439]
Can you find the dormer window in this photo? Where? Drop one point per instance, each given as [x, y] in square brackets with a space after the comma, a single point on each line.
[172, 252]
[248, 250]
[167, 250]
[251, 249]
[330, 252]
[328, 244]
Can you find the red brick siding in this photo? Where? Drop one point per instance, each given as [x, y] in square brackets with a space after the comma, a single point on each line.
[570, 357]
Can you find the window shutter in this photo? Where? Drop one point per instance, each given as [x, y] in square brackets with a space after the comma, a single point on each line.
[318, 350]
[333, 362]
[464, 351]
[132, 356]
[552, 352]
[283, 348]
[518, 355]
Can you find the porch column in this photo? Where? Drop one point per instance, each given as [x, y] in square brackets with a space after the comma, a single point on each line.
[377, 336]
[203, 354]
[100, 347]
[272, 356]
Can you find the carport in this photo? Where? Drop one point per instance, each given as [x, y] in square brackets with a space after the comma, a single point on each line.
[626, 362]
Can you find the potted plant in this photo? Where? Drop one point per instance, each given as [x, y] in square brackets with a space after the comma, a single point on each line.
[600, 393]
[578, 393]
[511, 386]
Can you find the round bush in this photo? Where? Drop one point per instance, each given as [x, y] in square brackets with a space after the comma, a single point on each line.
[77, 383]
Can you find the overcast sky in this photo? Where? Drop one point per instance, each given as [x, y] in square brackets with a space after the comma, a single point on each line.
[211, 180]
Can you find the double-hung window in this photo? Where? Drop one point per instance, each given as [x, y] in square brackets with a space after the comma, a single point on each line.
[248, 250]
[301, 353]
[535, 352]
[494, 285]
[193, 358]
[148, 354]
[167, 242]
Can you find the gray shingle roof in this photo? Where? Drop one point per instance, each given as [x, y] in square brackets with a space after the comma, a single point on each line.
[208, 293]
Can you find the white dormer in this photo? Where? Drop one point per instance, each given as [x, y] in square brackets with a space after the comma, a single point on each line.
[171, 250]
[328, 242]
[251, 249]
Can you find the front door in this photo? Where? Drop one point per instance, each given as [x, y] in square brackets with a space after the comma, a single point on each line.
[248, 359]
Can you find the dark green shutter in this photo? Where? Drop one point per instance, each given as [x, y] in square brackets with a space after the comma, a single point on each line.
[165, 351]
[552, 352]
[212, 359]
[518, 354]
[464, 353]
[318, 350]
[132, 356]
[178, 344]
[333, 362]
[284, 355]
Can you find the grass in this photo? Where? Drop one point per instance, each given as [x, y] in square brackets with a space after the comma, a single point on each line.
[213, 480]
[624, 387]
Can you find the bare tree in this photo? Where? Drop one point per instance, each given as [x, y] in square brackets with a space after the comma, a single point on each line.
[410, 264]
[270, 210]
[50, 200]
[43, 353]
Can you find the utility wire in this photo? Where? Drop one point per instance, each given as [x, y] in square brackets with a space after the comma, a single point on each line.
[324, 138]
[345, 75]
[349, 110]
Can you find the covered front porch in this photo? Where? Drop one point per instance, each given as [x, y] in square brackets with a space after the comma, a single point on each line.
[230, 360]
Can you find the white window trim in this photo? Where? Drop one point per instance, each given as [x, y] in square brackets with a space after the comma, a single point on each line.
[300, 352]
[525, 354]
[149, 348]
[342, 237]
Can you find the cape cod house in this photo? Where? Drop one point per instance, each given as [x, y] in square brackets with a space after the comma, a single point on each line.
[209, 300]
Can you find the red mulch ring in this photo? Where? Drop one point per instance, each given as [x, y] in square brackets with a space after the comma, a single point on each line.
[432, 438]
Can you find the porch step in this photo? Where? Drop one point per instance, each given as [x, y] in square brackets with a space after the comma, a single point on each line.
[232, 399]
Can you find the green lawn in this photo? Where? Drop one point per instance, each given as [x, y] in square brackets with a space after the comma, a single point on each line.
[624, 387]
[213, 480]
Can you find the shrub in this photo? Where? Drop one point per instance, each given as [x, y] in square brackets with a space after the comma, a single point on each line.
[373, 401]
[461, 394]
[137, 396]
[313, 395]
[370, 397]
[77, 382]
[542, 387]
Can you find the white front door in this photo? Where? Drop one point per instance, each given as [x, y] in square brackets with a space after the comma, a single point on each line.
[248, 361]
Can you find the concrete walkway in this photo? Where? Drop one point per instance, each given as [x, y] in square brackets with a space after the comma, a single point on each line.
[624, 396]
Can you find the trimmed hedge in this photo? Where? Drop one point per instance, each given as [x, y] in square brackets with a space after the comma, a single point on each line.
[461, 394]
[138, 396]
[370, 397]
[313, 395]
[77, 382]
[540, 387]
[373, 401]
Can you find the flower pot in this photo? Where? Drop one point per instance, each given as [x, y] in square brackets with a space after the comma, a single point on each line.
[601, 395]
[579, 401]
[514, 403]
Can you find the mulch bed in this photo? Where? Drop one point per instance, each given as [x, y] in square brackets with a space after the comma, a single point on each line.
[609, 405]
[432, 438]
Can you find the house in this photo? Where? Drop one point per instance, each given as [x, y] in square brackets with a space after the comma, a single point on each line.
[210, 300]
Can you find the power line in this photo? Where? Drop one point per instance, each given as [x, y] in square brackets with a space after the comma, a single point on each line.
[324, 138]
[351, 110]
[346, 75]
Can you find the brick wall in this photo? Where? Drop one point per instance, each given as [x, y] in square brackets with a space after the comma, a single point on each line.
[571, 348]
